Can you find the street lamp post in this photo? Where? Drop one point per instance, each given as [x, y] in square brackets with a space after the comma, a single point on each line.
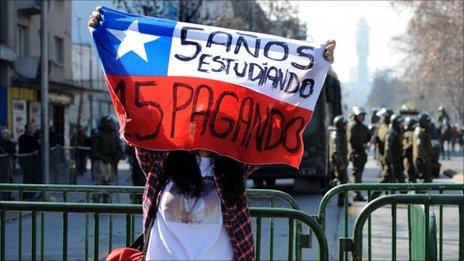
[45, 146]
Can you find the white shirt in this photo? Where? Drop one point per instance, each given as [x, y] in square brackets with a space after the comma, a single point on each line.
[190, 228]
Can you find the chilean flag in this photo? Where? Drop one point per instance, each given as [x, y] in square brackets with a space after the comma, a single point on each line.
[181, 86]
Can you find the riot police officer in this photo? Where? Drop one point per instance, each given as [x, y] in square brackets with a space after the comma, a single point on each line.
[408, 136]
[358, 140]
[422, 148]
[373, 128]
[381, 136]
[393, 152]
[338, 154]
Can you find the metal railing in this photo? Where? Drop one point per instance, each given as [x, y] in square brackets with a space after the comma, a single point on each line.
[132, 191]
[129, 210]
[394, 201]
[67, 193]
[63, 164]
[390, 188]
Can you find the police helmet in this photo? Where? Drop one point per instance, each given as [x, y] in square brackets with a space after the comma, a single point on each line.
[424, 118]
[112, 121]
[359, 110]
[409, 123]
[396, 119]
[385, 113]
[339, 122]
[103, 120]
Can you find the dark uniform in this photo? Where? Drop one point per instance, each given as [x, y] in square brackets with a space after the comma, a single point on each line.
[393, 153]
[408, 137]
[381, 137]
[422, 148]
[358, 137]
[105, 148]
[445, 132]
[338, 153]
[373, 127]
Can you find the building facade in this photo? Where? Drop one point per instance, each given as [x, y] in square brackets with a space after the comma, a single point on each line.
[94, 102]
[20, 51]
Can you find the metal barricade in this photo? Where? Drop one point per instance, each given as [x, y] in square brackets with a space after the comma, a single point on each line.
[128, 211]
[273, 196]
[391, 188]
[129, 195]
[394, 200]
[63, 164]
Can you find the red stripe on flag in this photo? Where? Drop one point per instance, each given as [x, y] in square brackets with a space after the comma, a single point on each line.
[166, 113]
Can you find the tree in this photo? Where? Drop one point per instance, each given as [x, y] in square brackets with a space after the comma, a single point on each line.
[182, 10]
[269, 16]
[387, 91]
[434, 48]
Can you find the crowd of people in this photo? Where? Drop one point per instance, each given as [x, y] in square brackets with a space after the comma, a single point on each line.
[402, 144]
[103, 149]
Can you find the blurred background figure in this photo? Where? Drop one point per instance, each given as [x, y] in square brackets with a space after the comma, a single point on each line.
[394, 152]
[455, 129]
[445, 128]
[105, 148]
[7, 142]
[373, 128]
[422, 148]
[79, 140]
[29, 158]
[9, 146]
[461, 137]
[338, 154]
[380, 137]
[57, 157]
[138, 177]
[436, 149]
[113, 125]
[7, 160]
[358, 141]
[408, 135]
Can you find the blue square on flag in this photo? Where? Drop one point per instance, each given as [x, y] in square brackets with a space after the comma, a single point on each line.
[133, 45]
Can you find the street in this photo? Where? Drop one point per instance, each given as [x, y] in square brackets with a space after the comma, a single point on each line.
[381, 224]
[279, 83]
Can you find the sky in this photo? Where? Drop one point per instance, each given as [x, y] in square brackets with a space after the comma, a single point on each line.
[326, 20]
[82, 9]
[337, 20]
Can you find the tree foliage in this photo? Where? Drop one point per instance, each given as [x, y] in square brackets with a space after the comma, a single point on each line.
[264, 16]
[387, 91]
[185, 11]
[434, 48]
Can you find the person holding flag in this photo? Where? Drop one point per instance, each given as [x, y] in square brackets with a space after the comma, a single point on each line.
[196, 163]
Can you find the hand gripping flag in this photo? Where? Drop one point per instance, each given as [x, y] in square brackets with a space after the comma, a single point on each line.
[181, 86]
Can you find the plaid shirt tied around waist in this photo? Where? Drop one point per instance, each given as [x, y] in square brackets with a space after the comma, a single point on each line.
[236, 216]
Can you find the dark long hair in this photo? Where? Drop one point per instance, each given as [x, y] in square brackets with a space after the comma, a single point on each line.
[181, 167]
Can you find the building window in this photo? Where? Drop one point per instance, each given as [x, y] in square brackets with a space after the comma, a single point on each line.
[59, 50]
[22, 41]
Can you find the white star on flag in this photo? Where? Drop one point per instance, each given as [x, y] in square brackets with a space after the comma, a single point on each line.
[133, 40]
